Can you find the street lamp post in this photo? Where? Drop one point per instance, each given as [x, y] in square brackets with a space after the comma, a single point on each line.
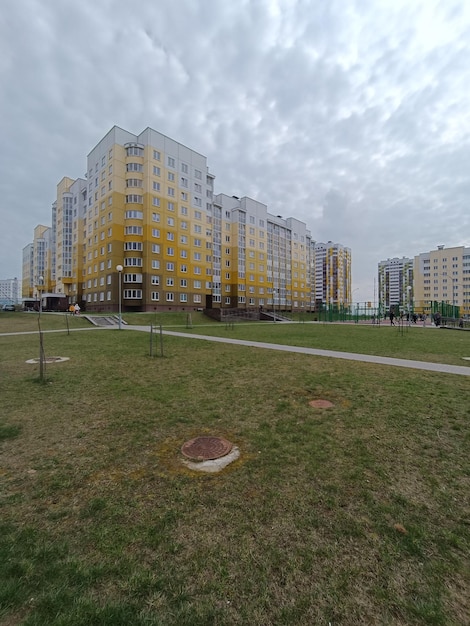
[119, 269]
[357, 304]
[41, 345]
[409, 304]
[40, 289]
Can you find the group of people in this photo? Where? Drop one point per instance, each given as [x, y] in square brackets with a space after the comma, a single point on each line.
[413, 317]
[74, 309]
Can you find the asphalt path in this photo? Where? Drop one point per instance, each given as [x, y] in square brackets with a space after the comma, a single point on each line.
[443, 368]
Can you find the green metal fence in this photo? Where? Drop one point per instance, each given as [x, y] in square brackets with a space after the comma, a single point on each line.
[368, 312]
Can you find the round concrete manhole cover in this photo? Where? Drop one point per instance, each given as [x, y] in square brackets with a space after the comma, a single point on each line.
[206, 448]
[321, 404]
[49, 359]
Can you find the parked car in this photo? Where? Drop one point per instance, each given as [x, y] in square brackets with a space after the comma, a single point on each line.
[8, 307]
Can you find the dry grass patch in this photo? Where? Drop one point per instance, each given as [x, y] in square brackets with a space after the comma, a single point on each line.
[103, 524]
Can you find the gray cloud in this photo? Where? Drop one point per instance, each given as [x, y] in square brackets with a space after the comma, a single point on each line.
[352, 116]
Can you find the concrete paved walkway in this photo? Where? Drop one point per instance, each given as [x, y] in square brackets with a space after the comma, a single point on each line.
[349, 356]
[462, 370]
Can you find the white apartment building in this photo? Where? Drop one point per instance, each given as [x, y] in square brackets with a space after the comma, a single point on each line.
[395, 282]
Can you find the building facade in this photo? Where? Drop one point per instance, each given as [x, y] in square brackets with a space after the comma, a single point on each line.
[9, 291]
[442, 276]
[330, 274]
[395, 283]
[37, 263]
[145, 223]
[259, 259]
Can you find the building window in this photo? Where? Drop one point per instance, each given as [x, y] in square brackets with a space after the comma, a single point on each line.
[133, 245]
[155, 264]
[133, 261]
[170, 161]
[132, 278]
[155, 280]
[183, 297]
[134, 198]
[155, 296]
[170, 297]
[134, 167]
[134, 151]
[132, 294]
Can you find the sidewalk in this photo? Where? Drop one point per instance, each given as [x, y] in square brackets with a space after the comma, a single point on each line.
[461, 370]
[349, 356]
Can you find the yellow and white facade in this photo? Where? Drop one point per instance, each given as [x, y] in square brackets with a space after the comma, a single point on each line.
[330, 274]
[147, 204]
[443, 275]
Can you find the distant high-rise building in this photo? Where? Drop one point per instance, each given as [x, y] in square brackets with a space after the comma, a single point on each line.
[395, 282]
[330, 273]
[9, 291]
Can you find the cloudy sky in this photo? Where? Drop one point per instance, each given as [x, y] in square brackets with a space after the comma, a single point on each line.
[351, 115]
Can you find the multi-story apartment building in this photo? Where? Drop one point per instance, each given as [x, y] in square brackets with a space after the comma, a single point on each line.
[37, 262]
[443, 276]
[145, 224]
[395, 282]
[68, 219]
[9, 291]
[148, 209]
[260, 260]
[330, 274]
[27, 280]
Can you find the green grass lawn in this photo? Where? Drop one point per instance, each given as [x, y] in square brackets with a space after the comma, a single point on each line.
[357, 514]
[416, 343]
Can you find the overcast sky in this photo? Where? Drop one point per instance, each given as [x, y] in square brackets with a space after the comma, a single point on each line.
[350, 115]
